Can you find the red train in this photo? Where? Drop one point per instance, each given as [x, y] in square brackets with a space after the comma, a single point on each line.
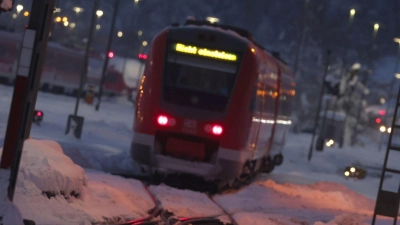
[62, 67]
[211, 103]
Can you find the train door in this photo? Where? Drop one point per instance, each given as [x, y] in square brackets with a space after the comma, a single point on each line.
[256, 107]
[269, 95]
[286, 94]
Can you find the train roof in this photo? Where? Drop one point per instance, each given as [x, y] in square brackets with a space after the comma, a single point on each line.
[240, 31]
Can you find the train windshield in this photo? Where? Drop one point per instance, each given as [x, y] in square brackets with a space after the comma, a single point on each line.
[197, 81]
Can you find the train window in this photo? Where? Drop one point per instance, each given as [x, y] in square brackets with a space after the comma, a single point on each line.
[208, 81]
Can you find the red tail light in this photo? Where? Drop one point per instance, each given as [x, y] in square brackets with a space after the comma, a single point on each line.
[38, 113]
[142, 56]
[214, 129]
[164, 120]
[382, 112]
[217, 130]
[378, 120]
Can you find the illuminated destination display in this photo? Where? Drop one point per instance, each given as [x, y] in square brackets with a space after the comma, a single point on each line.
[205, 52]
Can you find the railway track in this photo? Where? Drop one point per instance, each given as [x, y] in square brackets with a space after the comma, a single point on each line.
[160, 215]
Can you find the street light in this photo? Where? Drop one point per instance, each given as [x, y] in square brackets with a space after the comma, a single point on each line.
[99, 13]
[351, 18]
[19, 8]
[376, 28]
[78, 9]
[144, 43]
[352, 13]
[139, 33]
[342, 72]
[120, 33]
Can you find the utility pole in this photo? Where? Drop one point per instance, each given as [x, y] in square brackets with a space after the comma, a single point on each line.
[302, 36]
[74, 120]
[33, 50]
[105, 65]
[392, 83]
[347, 42]
[342, 72]
[328, 55]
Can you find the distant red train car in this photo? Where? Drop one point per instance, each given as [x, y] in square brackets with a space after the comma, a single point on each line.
[211, 103]
[62, 67]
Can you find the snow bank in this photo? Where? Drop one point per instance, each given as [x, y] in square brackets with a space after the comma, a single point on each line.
[345, 219]
[304, 204]
[45, 165]
[8, 211]
[98, 197]
[325, 195]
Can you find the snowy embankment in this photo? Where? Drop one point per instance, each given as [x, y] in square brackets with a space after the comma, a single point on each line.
[51, 189]
[85, 196]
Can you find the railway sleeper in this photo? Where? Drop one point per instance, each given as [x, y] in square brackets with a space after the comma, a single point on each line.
[170, 219]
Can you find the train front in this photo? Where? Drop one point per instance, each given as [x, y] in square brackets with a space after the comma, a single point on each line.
[192, 112]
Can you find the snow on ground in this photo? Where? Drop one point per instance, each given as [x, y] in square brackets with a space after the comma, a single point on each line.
[76, 174]
[51, 189]
[305, 204]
